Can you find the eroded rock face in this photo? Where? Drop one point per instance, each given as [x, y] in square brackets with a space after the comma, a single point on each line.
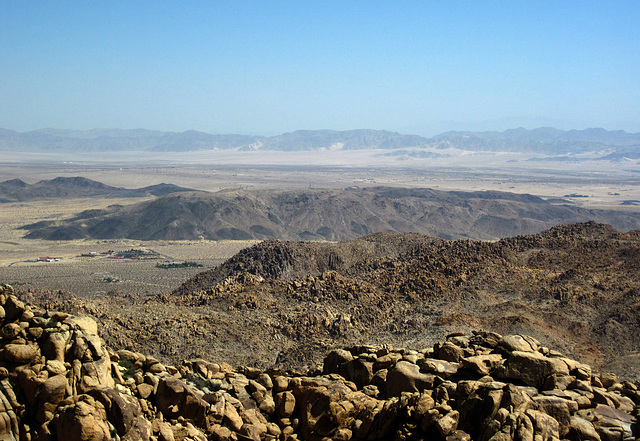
[58, 381]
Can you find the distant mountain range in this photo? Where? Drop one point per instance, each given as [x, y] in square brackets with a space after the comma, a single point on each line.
[16, 190]
[323, 215]
[542, 140]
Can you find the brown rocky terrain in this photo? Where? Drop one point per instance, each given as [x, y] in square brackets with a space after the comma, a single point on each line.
[58, 381]
[574, 287]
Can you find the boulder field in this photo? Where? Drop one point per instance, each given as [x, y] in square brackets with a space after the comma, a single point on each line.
[59, 381]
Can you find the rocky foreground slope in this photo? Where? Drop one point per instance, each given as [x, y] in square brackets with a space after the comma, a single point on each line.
[574, 287]
[60, 382]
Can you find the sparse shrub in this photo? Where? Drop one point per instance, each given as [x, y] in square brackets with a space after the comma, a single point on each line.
[202, 384]
[127, 367]
[111, 280]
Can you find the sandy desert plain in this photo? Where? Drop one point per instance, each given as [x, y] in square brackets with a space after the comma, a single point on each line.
[602, 184]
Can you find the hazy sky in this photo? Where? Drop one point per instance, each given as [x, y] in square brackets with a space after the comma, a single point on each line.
[268, 67]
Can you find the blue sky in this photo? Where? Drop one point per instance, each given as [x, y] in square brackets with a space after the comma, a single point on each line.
[270, 67]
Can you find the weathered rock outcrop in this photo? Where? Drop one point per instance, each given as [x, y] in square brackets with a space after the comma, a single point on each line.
[60, 382]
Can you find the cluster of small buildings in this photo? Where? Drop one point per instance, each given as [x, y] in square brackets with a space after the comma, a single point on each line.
[48, 259]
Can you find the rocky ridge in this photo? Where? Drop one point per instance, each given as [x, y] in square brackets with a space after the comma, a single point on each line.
[574, 287]
[60, 382]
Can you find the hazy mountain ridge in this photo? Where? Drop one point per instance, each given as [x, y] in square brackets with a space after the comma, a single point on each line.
[346, 140]
[316, 214]
[541, 140]
[116, 140]
[73, 187]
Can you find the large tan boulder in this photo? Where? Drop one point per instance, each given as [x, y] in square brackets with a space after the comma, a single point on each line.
[10, 330]
[85, 324]
[21, 354]
[545, 426]
[169, 395]
[335, 359]
[121, 410]
[517, 342]
[386, 361]
[96, 374]
[441, 368]
[532, 368]
[53, 391]
[406, 377]
[558, 408]
[483, 364]
[175, 398]
[314, 398]
[286, 403]
[13, 308]
[359, 371]
[54, 345]
[582, 429]
[82, 420]
[165, 432]
[232, 418]
[451, 352]
[448, 424]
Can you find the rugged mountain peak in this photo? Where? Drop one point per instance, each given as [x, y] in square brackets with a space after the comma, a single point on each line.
[569, 233]
[590, 230]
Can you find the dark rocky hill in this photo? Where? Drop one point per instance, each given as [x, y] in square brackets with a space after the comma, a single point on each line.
[76, 187]
[326, 215]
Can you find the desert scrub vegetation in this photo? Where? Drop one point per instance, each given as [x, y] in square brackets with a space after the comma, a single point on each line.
[111, 280]
[178, 265]
[127, 367]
